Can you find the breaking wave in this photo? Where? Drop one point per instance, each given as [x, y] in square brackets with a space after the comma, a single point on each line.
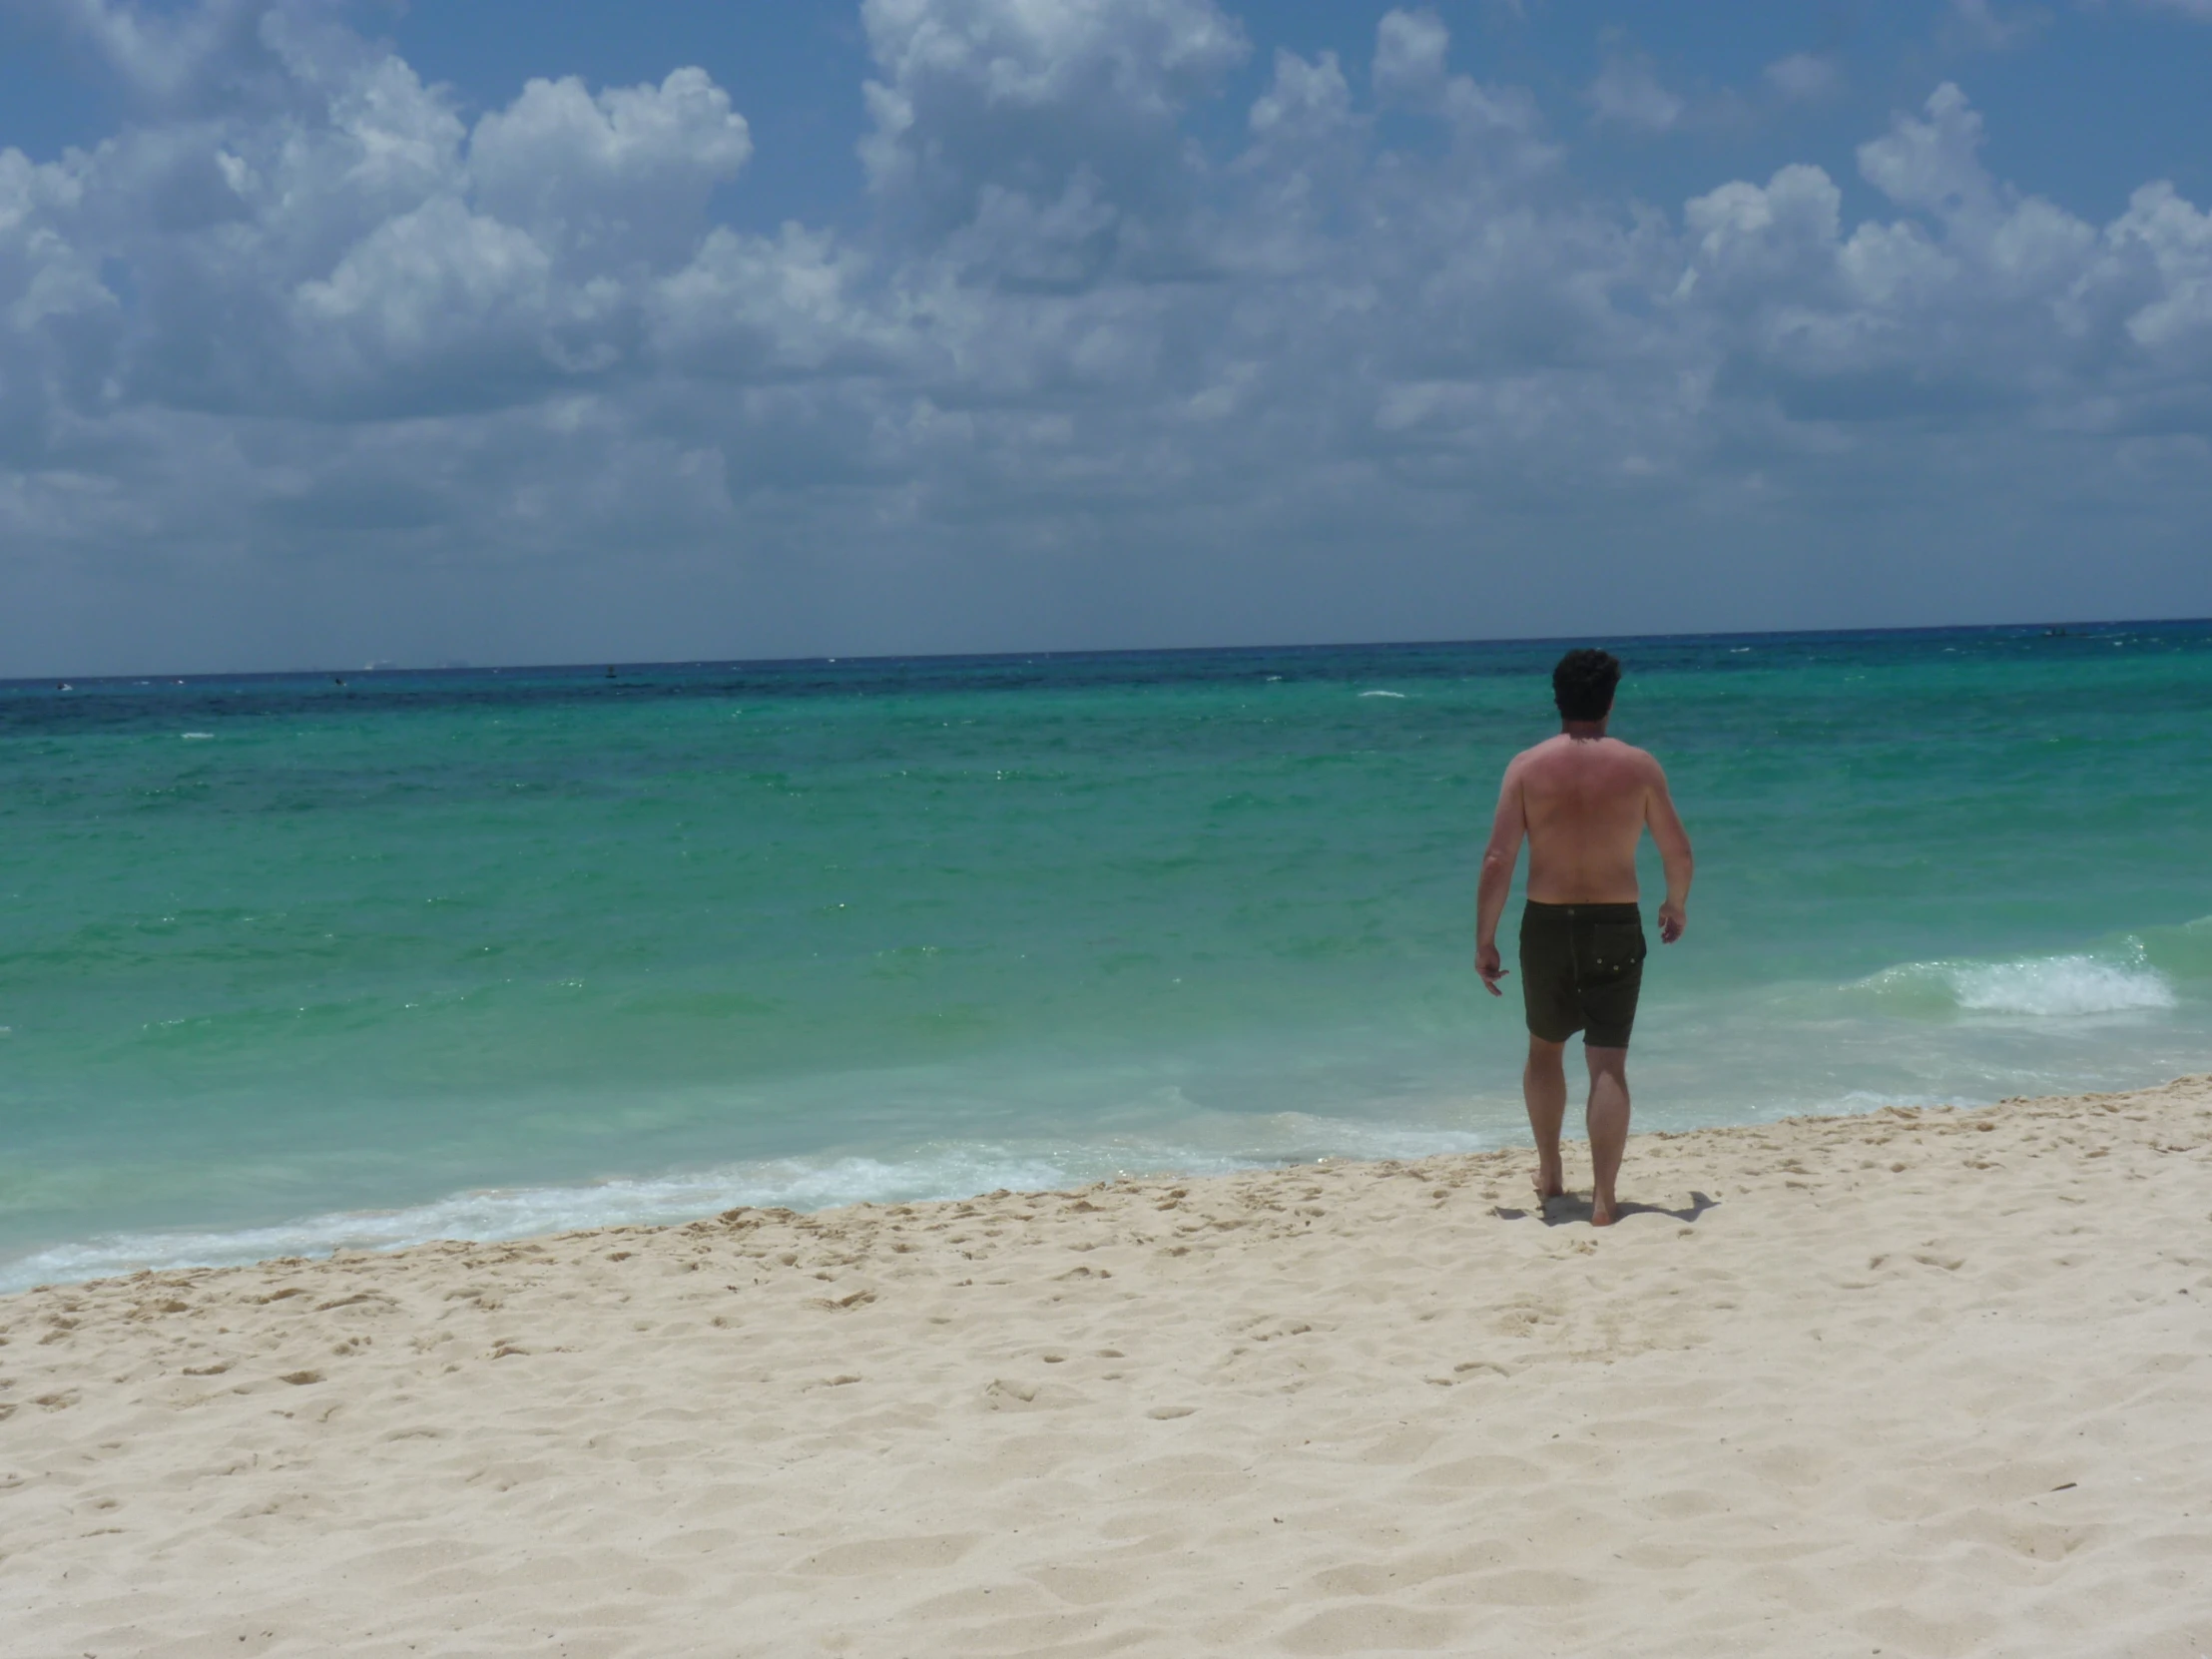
[2044, 987]
[943, 1172]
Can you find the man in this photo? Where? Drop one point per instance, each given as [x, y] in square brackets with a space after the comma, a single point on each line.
[1582, 800]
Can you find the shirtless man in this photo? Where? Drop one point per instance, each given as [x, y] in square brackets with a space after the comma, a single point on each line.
[1582, 800]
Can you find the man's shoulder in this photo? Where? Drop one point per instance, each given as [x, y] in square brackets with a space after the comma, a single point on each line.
[1563, 748]
[1536, 755]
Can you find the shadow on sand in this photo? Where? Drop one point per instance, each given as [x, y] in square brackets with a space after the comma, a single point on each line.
[1559, 1212]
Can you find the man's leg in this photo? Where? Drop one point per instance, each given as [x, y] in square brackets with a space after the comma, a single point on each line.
[1608, 1125]
[1544, 1087]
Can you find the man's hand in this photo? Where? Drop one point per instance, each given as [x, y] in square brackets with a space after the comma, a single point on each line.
[1492, 966]
[1672, 920]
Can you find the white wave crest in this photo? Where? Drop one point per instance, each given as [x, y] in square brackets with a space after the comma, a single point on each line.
[939, 1172]
[530, 1211]
[2046, 987]
[1400, 696]
[2062, 985]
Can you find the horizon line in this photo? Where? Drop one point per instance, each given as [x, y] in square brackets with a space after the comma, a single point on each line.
[618, 666]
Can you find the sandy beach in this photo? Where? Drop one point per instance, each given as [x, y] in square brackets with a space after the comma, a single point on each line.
[1921, 1383]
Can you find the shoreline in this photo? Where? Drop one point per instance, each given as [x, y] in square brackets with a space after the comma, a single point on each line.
[804, 1184]
[1932, 1378]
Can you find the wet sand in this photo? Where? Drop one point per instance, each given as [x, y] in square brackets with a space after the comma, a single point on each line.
[1922, 1382]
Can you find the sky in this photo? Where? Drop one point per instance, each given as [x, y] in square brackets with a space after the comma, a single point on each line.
[556, 331]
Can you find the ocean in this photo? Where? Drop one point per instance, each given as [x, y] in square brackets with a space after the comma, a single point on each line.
[297, 962]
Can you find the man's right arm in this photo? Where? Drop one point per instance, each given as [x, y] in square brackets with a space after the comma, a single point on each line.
[1507, 830]
[1675, 857]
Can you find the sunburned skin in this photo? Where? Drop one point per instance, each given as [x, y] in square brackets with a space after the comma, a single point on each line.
[1581, 800]
[1583, 803]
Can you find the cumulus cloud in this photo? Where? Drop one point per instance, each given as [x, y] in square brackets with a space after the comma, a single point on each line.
[1932, 162]
[316, 368]
[1411, 70]
[197, 58]
[1980, 25]
[1980, 309]
[1308, 103]
[1627, 92]
[984, 99]
[617, 179]
[1409, 52]
[1804, 77]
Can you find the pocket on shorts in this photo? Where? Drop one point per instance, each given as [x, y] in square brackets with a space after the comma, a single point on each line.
[1616, 952]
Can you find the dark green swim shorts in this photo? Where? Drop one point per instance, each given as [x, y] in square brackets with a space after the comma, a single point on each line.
[1582, 967]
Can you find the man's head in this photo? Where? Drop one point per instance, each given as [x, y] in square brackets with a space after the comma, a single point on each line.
[1582, 685]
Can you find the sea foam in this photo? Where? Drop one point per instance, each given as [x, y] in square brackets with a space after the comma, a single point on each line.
[939, 1172]
[2047, 987]
[514, 1213]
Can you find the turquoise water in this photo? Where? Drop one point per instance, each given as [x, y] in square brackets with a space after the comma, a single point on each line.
[287, 964]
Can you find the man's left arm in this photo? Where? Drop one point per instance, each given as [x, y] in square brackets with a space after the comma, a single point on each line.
[1675, 856]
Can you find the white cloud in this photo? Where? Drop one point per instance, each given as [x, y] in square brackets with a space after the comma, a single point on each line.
[1409, 51]
[317, 372]
[1932, 164]
[1804, 77]
[439, 291]
[1765, 239]
[1029, 99]
[1980, 25]
[751, 307]
[1305, 102]
[1627, 92]
[1985, 307]
[614, 180]
[2160, 251]
[177, 61]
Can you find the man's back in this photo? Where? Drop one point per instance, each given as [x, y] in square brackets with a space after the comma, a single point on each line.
[1581, 800]
[1584, 802]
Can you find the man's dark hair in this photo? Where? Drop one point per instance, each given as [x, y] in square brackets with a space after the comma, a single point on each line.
[1582, 685]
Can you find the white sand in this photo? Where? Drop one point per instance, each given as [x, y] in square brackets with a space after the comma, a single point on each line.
[1916, 1384]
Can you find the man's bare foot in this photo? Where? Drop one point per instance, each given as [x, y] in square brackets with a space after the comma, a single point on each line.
[1548, 1187]
[1601, 1210]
